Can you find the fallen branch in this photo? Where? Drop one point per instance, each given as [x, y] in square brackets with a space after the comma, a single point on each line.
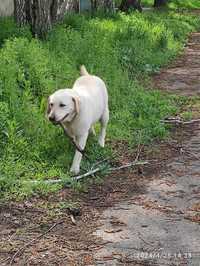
[135, 163]
[82, 151]
[20, 250]
[139, 150]
[190, 153]
[179, 121]
[191, 121]
[57, 181]
[73, 219]
[91, 172]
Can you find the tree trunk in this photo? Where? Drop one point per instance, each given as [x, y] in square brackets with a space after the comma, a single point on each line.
[160, 3]
[20, 12]
[130, 4]
[94, 5]
[109, 5]
[60, 7]
[105, 5]
[41, 14]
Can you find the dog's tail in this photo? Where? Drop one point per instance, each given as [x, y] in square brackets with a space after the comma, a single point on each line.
[83, 71]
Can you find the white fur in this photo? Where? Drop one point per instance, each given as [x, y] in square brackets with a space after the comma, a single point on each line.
[86, 103]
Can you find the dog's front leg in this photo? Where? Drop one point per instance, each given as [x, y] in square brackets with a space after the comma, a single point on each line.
[81, 141]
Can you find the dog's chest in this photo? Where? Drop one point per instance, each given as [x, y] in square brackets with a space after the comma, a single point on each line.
[72, 129]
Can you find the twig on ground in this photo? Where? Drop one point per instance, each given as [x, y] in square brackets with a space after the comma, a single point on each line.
[139, 149]
[4, 260]
[191, 121]
[190, 153]
[73, 219]
[91, 172]
[179, 121]
[75, 178]
[20, 250]
[82, 151]
[135, 163]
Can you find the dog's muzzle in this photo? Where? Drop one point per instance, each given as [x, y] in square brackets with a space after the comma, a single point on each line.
[56, 122]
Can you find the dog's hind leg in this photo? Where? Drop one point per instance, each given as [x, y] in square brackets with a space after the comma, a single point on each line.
[104, 121]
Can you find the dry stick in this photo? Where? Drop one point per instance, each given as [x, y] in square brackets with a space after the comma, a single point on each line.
[56, 181]
[91, 172]
[191, 153]
[191, 121]
[32, 241]
[178, 121]
[82, 151]
[139, 150]
[73, 219]
[4, 260]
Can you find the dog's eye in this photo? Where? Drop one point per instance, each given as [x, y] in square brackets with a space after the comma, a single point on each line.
[62, 105]
[51, 104]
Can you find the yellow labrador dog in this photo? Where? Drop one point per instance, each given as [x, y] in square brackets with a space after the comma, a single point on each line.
[78, 109]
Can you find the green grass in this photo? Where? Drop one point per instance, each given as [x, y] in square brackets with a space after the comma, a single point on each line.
[121, 49]
[176, 4]
[187, 4]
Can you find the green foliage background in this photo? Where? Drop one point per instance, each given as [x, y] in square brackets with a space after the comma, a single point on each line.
[121, 49]
[175, 4]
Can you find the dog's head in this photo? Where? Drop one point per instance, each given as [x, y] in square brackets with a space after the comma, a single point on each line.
[63, 106]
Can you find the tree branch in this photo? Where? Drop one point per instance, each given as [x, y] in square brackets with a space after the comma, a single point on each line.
[91, 172]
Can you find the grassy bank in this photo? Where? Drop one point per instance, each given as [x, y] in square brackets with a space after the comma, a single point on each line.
[176, 4]
[121, 49]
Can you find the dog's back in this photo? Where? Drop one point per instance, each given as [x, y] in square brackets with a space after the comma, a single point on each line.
[93, 93]
[92, 86]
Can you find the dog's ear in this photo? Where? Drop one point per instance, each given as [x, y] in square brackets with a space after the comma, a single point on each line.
[76, 101]
[48, 107]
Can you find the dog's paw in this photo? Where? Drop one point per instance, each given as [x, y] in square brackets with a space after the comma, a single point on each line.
[101, 142]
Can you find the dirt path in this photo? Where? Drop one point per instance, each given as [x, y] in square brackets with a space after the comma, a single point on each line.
[160, 226]
[183, 76]
[149, 216]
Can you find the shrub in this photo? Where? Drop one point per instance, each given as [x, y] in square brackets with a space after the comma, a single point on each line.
[9, 30]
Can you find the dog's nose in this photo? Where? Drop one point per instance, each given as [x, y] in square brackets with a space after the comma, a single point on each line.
[52, 118]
